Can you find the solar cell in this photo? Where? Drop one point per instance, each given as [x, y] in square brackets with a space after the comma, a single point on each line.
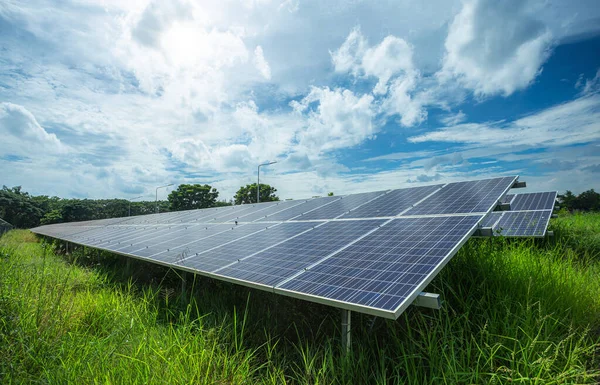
[288, 258]
[392, 203]
[523, 223]
[465, 197]
[386, 270]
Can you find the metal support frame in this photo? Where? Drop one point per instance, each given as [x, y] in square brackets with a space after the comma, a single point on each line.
[428, 300]
[503, 206]
[184, 277]
[346, 330]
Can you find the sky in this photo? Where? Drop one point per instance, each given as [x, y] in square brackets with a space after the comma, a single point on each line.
[111, 98]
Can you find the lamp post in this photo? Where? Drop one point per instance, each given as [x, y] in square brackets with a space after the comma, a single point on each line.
[156, 201]
[132, 199]
[258, 183]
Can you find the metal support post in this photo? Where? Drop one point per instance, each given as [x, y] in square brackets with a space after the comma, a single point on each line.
[346, 330]
[128, 266]
[184, 277]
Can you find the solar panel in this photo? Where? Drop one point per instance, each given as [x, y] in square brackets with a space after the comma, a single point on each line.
[343, 205]
[392, 203]
[284, 260]
[297, 212]
[387, 269]
[242, 248]
[533, 201]
[523, 223]
[371, 252]
[465, 197]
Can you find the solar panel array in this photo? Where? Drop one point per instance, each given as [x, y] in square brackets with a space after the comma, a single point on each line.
[371, 252]
[528, 216]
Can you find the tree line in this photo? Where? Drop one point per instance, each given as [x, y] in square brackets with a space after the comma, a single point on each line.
[24, 210]
[586, 201]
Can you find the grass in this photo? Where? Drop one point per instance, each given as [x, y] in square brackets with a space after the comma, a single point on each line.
[516, 311]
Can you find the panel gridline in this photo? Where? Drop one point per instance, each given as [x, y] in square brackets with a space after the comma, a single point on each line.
[523, 223]
[464, 197]
[533, 201]
[278, 263]
[392, 203]
[384, 268]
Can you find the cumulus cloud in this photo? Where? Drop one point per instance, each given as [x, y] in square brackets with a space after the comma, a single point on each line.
[22, 134]
[391, 62]
[340, 119]
[261, 64]
[495, 47]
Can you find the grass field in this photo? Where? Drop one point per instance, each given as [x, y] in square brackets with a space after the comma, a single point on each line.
[516, 311]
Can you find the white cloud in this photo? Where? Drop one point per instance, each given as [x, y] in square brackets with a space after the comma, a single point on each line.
[573, 122]
[495, 47]
[348, 58]
[341, 119]
[454, 119]
[22, 134]
[261, 64]
[390, 57]
[590, 86]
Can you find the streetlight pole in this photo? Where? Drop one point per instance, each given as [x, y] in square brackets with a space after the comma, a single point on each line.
[132, 199]
[156, 200]
[258, 182]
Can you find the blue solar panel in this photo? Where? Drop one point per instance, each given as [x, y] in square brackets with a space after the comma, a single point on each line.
[284, 260]
[523, 223]
[277, 208]
[392, 203]
[241, 248]
[297, 248]
[341, 206]
[297, 212]
[533, 201]
[389, 267]
[465, 197]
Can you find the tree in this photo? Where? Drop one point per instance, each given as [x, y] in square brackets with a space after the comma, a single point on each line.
[330, 194]
[18, 208]
[192, 196]
[247, 194]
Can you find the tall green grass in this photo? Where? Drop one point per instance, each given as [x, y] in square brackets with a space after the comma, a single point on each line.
[516, 311]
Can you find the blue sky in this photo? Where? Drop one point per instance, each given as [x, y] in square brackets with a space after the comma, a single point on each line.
[110, 99]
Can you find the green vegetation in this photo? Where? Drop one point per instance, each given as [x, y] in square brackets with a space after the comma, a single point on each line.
[586, 201]
[516, 311]
[247, 194]
[193, 196]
